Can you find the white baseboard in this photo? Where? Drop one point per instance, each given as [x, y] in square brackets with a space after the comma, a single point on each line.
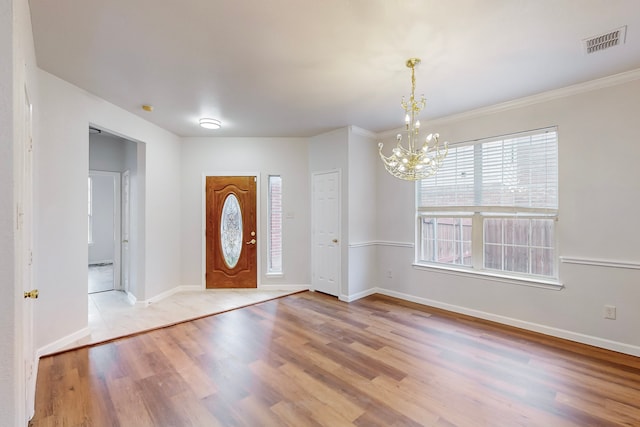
[167, 294]
[530, 326]
[358, 295]
[292, 288]
[190, 288]
[131, 298]
[62, 342]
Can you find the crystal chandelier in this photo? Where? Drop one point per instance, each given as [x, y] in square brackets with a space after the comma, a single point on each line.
[416, 159]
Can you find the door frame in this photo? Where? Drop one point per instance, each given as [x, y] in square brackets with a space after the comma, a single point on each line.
[125, 231]
[314, 215]
[117, 219]
[203, 225]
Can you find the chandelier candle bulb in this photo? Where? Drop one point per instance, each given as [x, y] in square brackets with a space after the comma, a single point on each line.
[414, 161]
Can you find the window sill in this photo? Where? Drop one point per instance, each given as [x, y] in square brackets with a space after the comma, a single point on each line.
[503, 278]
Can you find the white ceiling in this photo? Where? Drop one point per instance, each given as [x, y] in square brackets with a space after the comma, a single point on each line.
[303, 67]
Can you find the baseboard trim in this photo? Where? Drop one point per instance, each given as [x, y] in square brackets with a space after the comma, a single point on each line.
[62, 343]
[358, 295]
[530, 326]
[131, 298]
[167, 294]
[293, 288]
[189, 288]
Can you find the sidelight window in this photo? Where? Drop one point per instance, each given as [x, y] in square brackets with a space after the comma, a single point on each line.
[274, 238]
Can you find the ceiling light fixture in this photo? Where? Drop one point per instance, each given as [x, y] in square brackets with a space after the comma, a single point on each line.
[416, 160]
[210, 123]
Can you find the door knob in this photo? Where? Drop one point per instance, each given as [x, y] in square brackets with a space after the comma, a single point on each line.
[31, 294]
[251, 242]
[335, 240]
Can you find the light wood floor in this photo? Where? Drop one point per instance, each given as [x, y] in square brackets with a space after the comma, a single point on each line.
[309, 360]
[112, 316]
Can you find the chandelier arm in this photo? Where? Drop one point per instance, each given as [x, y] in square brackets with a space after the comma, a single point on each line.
[407, 161]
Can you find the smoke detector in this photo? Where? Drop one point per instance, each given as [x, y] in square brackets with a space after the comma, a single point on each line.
[604, 41]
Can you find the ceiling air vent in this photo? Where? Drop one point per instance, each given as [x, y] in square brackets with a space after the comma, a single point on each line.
[605, 41]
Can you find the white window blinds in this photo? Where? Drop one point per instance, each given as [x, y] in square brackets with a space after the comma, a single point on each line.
[518, 170]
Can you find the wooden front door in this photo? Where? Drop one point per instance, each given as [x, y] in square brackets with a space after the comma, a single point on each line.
[231, 249]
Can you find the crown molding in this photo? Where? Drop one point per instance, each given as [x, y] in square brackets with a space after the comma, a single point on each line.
[362, 132]
[591, 85]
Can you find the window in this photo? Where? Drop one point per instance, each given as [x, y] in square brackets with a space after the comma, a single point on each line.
[90, 219]
[493, 206]
[274, 238]
[446, 240]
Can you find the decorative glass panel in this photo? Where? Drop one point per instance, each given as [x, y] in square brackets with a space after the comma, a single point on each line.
[231, 231]
[274, 256]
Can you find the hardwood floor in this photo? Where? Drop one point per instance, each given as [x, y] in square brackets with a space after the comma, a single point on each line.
[309, 360]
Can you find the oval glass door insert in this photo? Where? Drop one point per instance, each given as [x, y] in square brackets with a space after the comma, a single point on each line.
[231, 231]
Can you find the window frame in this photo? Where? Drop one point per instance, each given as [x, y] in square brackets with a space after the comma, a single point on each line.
[478, 214]
[271, 271]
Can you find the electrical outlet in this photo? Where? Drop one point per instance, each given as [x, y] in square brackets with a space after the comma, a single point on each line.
[389, 274]
[610, 312]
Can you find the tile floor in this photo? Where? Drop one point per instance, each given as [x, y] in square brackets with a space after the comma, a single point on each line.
[111, 316]
[100, 278]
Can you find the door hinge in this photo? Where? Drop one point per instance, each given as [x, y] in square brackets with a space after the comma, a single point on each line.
[30, 257]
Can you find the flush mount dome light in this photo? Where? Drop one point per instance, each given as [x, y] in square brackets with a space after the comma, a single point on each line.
[210, 123]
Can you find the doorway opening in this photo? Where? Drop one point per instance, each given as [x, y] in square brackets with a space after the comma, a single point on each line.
[114, 197]
[104, 216]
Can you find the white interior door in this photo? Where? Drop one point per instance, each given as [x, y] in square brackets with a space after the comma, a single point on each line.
[126, 229]
[326, 257]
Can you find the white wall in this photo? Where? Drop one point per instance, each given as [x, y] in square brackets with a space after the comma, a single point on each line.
[599, 181]
[135, 160]
[101, 249]
[266, 156]
[327, 152]
[62, 162]
[362, 217]
[107, 153]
